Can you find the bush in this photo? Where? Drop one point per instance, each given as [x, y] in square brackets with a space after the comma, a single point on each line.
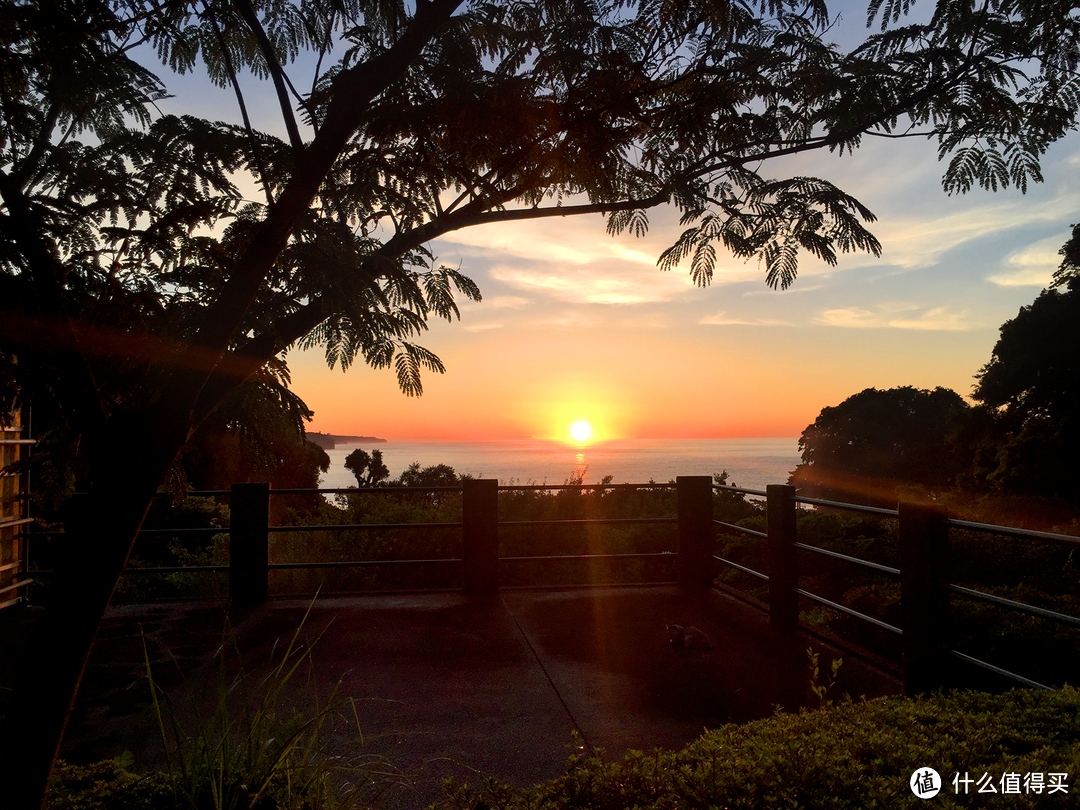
[852, 755]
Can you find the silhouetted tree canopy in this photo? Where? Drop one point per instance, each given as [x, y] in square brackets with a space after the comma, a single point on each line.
[1033, 383]
[152, 263]
[875, 441]
[437, 475]
[368, 469]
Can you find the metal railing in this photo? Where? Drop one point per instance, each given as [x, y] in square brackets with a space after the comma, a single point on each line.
[922, 532]
[940, 526]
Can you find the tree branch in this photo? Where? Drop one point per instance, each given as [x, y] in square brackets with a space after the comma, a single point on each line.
[276, 73]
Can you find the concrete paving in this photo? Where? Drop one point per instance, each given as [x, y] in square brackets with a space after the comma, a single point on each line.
[447, 685]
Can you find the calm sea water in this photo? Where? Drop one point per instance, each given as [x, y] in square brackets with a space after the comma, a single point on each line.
[751, 463]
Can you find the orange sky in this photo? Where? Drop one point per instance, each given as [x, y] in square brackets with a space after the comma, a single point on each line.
[579, 325]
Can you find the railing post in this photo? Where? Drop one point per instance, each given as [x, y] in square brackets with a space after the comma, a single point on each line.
[694, 493]
[924, 596]
[249, 544]
[480, 522]
[783, 570]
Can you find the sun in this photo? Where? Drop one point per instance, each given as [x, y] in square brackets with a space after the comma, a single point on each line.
[581, 431]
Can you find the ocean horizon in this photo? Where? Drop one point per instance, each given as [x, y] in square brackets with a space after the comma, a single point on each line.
[750, 463]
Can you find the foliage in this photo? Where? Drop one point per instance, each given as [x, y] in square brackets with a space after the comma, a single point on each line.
[854, 755]
[259, 746]
[107, 785]
[140, 288]
[1033, 383]
[369, 470]
[864, 448]
[820, 687]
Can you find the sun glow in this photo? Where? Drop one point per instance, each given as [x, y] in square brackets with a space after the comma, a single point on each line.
[581, 431]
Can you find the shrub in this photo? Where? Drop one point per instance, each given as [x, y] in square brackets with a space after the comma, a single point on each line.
[857, 755]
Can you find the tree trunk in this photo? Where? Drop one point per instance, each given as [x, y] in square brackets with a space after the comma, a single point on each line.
[88, 568]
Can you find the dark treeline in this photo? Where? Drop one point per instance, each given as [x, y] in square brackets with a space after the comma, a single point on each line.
[1012, 457]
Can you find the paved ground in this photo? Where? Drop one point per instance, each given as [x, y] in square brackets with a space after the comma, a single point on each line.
[447, 685]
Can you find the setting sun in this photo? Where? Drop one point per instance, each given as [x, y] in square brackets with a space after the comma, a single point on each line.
[581, 431]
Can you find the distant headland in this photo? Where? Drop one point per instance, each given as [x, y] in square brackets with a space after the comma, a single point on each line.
[327, 441]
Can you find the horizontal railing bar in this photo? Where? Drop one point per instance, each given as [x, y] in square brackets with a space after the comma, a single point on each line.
[9, 523]
[854, 560]
[1029, 534]
[1022, 607]
[742, 568]
[18, 441]
[16, 585]
[851, 507]
[742, 490]
[174, 569]
[361, 490]
[359, 563]
[999, 671]
[667, 554]
[595, 521]
[11, 602]
[351, 526]
[821, 600]
[197, 530]
[743, 529]
[552, 487]
[9, 566]
[206, 493]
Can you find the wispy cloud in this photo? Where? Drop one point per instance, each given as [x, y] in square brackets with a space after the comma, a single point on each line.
[723, 319]
[1031, 266]
[593, 285]
[914, 242]
[482, 327]
[937, 318]
[506, 302]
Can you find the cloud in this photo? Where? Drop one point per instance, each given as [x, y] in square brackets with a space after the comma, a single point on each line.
[722, 319]
[570, 320]
[938, 318]
[792, 290]
[505, 302]
[482, 327]
[1032, 266]
[851, 316]
[594, 285]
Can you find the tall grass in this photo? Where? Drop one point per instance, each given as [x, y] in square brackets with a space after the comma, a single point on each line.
[251, 743]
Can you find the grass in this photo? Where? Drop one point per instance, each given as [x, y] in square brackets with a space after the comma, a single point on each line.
[250, 742]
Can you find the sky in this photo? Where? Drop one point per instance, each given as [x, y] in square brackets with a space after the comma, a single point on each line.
[577, 325]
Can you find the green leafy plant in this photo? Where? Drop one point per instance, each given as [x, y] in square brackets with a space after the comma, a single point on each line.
[847, 756]
[818, 687]
[256, 749]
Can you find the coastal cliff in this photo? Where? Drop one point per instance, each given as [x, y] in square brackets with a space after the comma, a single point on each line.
[327, 441]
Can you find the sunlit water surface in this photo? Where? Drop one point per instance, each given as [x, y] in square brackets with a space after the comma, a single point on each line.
[751, 463]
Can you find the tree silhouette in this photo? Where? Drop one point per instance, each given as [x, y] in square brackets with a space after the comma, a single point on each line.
[864, 448]
[369, 470]
[140, 287]
[1033, 383]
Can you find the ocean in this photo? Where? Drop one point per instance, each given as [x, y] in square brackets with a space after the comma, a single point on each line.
[751, 463]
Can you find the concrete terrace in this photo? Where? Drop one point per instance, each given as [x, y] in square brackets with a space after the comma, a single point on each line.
[471, 687]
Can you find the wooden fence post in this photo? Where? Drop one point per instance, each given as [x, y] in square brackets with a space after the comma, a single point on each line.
[694, 494]
[924, 597]
[249, 544]
[783, 568]
[480, 520]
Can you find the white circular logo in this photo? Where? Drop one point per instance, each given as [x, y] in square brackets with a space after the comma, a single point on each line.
[925, 783]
